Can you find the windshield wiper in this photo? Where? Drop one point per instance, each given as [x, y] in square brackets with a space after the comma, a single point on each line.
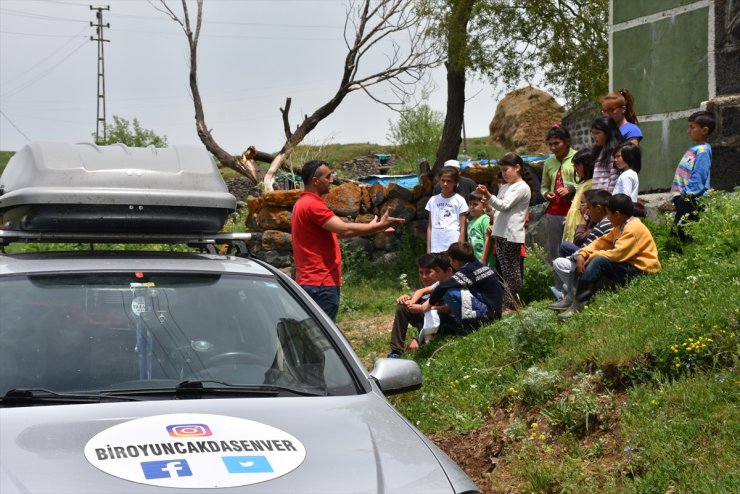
[205, 386]
[26, 396]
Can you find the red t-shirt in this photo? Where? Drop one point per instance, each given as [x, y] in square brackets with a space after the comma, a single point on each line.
[561, 205]
[318, 260]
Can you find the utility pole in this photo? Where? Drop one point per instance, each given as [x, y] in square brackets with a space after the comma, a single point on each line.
[100, 123]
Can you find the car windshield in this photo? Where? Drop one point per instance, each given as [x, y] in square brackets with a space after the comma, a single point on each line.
[106, 332]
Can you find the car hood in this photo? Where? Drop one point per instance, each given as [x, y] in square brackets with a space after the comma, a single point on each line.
[354, 444]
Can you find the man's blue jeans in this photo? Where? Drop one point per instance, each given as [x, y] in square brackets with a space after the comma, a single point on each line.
[601, 267]
[327, 297]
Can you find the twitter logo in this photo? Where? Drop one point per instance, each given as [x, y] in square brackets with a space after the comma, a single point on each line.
[247, 464]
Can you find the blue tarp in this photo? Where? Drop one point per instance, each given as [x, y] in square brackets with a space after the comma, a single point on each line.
[406, 181]
[526, 158]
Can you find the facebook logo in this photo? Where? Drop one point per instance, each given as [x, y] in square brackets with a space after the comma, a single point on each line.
[166, 469]
[247, 464]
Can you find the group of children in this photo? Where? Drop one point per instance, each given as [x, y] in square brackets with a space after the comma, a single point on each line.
[595, 235]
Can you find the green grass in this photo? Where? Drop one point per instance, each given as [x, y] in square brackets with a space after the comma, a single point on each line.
[478, 148]
[666, 345]
[4, 158]
[681, 436]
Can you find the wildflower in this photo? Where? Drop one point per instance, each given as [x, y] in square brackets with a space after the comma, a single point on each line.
[534, 425]
[542, 437]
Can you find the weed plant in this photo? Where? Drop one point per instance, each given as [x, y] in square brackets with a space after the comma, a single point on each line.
[537, 276]
[536, 386]
[578, 412]
[533, 333]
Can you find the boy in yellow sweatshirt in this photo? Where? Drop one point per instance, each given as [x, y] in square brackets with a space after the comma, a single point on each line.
[625, 252]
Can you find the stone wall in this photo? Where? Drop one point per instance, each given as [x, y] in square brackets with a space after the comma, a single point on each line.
[578, 122]
[362, 166]
[725, 142]
[270, 215]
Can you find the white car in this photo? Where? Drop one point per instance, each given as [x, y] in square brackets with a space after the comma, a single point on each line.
[133, 371]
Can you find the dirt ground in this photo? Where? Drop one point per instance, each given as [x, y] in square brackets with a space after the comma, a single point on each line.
[482, 453]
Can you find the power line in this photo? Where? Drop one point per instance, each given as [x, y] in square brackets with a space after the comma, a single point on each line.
[32, 15]
[235, 36]
[45, 58]
[20, 13]
[40, 35]
[14, 126]
[40, 76]
[57, 2]
[236, 23]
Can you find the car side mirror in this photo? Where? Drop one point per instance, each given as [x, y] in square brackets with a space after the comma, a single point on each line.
[396, 376]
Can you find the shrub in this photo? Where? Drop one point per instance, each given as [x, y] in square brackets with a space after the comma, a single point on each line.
[537, 385]
[537, 276]
[579, 411]
[534, 333]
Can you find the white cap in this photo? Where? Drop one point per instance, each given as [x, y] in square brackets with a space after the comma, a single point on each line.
[453, 163]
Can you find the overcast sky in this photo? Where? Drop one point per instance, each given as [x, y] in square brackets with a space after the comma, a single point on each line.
[253, 54]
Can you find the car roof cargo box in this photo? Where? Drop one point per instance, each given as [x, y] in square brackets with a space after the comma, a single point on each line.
[64, 187]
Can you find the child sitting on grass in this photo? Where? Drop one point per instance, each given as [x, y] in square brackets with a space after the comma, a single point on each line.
[472, 295]
[626, 251]
[432, 267]
[595, 225]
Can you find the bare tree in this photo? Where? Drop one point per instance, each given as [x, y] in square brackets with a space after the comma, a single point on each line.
[391, 27]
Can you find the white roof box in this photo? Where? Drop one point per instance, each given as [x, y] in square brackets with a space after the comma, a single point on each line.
[58, 186]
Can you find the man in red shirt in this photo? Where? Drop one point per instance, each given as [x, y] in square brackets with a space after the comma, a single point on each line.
[316, 230]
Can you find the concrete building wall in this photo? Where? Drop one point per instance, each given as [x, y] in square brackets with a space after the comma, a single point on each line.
[678, 57]
[662, 51]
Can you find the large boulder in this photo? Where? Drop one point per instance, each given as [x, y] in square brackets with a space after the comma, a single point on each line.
[274, 218]
[282, 197]
[523, 118]
[344, 200]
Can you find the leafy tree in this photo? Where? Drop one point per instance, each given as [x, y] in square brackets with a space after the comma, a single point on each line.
[561, 44]
[131, 134]
[416, 133]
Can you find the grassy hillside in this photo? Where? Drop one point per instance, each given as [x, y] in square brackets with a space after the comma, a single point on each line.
[636, 394]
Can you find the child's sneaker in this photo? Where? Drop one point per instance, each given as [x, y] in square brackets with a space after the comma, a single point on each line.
[393, 355]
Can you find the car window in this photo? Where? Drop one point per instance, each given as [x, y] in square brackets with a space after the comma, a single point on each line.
[110, 331]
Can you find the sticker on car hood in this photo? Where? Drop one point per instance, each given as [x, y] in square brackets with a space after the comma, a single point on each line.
[195, 451]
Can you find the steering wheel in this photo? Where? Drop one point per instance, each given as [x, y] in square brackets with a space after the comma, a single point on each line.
[233, 357]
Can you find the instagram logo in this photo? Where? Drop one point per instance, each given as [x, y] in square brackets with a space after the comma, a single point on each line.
[189, 430]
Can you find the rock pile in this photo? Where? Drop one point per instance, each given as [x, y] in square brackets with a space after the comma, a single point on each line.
[362, 166]
[241, 187]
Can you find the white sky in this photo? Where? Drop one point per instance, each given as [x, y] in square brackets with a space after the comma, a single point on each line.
[253, 54]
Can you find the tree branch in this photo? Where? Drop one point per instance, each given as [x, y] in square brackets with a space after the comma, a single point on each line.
[286, 122]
